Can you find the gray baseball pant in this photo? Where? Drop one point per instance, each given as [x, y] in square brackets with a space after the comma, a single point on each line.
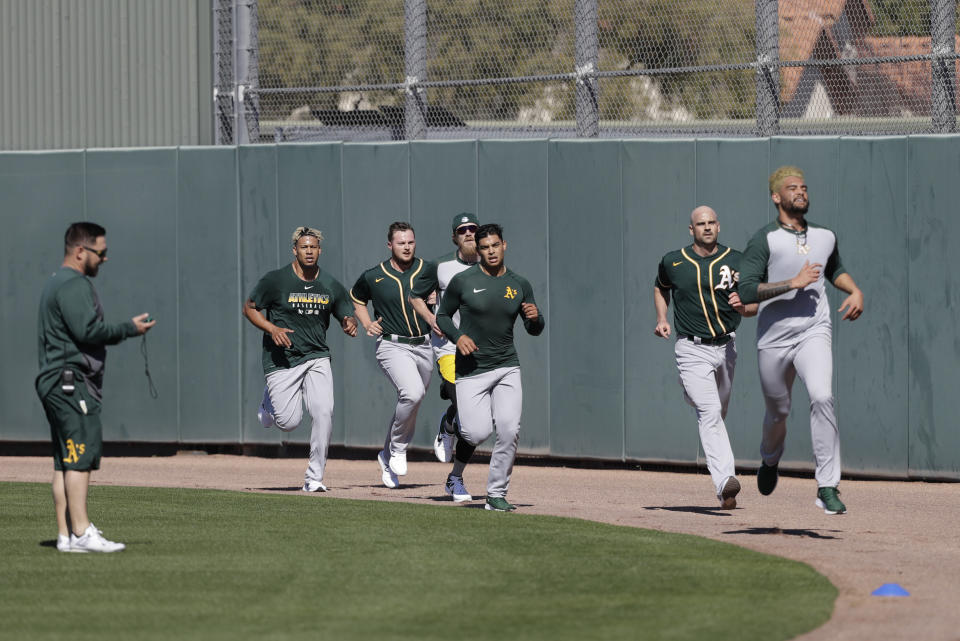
[483, 399]
[812, 359]
[310, 383]
[409, 368]
[706, 374]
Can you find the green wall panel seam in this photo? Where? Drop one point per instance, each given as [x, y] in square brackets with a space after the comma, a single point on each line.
[176, 232]
[240, 346]
[623, 308]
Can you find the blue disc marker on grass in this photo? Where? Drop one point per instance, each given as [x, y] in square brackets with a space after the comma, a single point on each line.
[890, 589]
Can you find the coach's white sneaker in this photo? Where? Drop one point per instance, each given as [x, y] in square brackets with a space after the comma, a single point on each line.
[386, 474]
[63, 544]
[265, 413]
[398, 463]
[92, 541]
[313, 486]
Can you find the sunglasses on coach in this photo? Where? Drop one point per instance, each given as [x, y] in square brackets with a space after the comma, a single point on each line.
[466, 229]
[101, 253]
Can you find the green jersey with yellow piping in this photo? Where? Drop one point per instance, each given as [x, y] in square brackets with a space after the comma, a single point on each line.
[701, 286]
[389, 289]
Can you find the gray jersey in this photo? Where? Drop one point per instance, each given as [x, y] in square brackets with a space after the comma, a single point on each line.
[775, 254]
[437, 278]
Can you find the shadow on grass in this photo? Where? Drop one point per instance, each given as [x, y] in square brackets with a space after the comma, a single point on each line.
[810, 534]
[694, 509]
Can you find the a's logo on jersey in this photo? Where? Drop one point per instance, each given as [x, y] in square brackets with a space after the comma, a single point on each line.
[74, 451]
[511, 293]
[728, 278]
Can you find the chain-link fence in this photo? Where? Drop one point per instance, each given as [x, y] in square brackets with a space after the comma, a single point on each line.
[429, 69]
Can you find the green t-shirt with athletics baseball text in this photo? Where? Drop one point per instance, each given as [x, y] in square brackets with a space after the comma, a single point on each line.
[389, 289]
[488, 306]
[305, 306]
[701, 286]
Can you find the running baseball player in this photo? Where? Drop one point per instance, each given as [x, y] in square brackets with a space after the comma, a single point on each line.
[703, 278]
[434, 281]
[298, 300]
[488, 297]
[403, 348]
[784, 268]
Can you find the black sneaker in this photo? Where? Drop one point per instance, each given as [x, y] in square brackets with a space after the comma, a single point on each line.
[767, 477]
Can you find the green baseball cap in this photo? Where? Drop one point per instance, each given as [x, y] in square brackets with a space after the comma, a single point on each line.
[464, 218]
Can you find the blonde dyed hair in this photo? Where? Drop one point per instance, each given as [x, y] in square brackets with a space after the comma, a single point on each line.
[781, 174]
[300, 232]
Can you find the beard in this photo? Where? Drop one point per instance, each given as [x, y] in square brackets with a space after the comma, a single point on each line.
[791, 208]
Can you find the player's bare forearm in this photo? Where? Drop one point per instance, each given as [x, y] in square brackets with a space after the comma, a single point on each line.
[661, 302]
[852, 305]
[420, 306]
[766, 291]
[256, 318]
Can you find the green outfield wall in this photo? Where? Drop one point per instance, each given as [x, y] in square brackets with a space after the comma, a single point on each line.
[191, 230]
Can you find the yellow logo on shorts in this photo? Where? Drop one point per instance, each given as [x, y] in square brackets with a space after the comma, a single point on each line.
[511, 293]
[74, 451]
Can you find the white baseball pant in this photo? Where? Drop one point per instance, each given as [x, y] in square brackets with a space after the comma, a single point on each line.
[310, 383]
[706, 374]
[812, 358]
[409, 368]
[483, 399]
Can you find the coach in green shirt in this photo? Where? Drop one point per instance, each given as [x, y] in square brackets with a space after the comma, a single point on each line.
[73, 339]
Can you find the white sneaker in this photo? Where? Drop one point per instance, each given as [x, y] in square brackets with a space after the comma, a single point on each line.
[265, 413]
[443, 444]
[92, 541]
[313, 486]
[386, 474]
[63, 544]
[398, 463]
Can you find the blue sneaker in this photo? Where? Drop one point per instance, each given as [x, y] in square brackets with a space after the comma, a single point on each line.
[455, 488]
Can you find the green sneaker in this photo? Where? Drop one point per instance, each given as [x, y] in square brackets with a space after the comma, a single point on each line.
[767, 478]
[828, 498]
[499, 504]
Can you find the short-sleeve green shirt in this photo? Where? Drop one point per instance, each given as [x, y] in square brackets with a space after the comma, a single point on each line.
[701, 286]
[489, 306]
[305, 306]
[389, 289]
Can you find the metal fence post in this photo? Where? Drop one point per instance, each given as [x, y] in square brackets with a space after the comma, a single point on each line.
[768, 72]
[415, 62]
[247, 73]
[943, 101]
[223, 93]
[585, 58]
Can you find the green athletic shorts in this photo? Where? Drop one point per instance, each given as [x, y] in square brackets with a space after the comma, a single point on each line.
[76, 436]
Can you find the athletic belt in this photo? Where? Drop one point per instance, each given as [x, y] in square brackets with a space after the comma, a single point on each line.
[723, 339]
[406, 340]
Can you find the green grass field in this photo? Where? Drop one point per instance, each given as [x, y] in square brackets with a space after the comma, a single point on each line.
[229, 565]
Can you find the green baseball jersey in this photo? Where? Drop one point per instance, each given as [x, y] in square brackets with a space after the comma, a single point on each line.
[389, 289]
[305, 306]
[72, 333]
[701, 286]
[488, 306]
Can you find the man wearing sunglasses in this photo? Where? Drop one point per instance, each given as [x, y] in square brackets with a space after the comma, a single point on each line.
[72, 347]
[429, 290]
